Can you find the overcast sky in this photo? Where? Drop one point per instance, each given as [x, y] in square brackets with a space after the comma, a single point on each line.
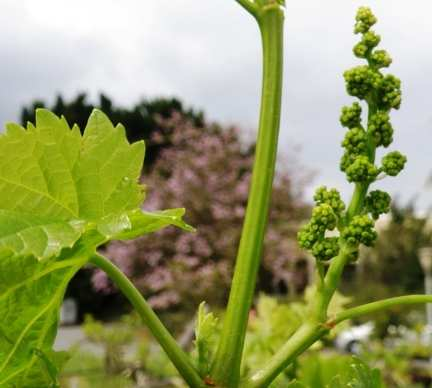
[207, 52]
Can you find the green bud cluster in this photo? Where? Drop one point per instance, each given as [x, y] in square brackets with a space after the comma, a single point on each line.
[367, 82]
[351, 115]
[347, 159]
[355, 141]
[380, 129]
[330, 197]
[389, 93]
[326, 248]
[381, 92]
[393, 163]
[369, 41]
[307, 236]
[361, 170]
[380, 59]
[361, 81]
[360, 231]
[325, 215]
[365, 19]
[377, 203]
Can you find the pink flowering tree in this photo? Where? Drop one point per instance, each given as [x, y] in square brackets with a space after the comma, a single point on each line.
[207, 171]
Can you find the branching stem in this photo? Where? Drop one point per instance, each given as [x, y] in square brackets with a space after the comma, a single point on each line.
[317, 326]
[310, 333]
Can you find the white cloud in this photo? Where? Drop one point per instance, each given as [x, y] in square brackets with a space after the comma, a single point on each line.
[208, 53]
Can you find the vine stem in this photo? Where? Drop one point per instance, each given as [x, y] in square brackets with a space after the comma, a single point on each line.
[226, 367]
[177, 356]
[309, 333]
[373, 307]
[316, 326]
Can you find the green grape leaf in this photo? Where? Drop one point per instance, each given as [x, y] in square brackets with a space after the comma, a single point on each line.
[62, 194]
[55, 183]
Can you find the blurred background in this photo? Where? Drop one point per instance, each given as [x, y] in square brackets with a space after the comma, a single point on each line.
[184, 75]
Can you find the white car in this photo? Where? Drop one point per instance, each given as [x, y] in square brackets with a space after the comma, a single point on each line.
[350, 340]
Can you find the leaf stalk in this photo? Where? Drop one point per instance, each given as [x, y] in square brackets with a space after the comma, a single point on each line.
[177, 356]
[380, 305]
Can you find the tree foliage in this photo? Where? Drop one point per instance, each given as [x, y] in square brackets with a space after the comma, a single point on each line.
[208, 170]
[394, 262]
[140, 120]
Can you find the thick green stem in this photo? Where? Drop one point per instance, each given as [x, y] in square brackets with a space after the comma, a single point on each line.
[226, 367]
[177, 356]
[373, 307]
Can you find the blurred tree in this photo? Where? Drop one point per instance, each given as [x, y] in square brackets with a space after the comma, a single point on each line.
[394, 260]
[392, 266]
[140, 120]
[207, 171]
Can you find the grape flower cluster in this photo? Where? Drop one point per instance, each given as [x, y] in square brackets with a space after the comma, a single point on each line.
[332, 227]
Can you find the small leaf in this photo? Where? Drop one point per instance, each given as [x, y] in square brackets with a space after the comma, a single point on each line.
[205, 339]
[363, 376]
[113, 225]
[359, 375]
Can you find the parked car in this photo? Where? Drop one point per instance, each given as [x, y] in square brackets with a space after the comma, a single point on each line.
[350, 340]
